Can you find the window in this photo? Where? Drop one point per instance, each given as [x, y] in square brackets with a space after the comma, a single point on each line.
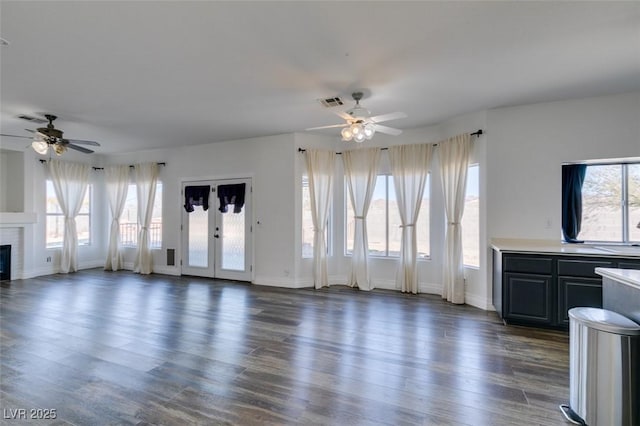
[55, 219]
[383, 221]
[307, 222]
[471, 219]
[129, 219]
[611, 203]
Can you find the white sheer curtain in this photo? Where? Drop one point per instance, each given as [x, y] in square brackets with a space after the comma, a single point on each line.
[409, 167]
[454, 162]
[117, 180]
[146, 179]
[361, 169]
[320, 169]
[70, 182]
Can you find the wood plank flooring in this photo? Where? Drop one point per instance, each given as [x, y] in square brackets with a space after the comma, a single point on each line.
[119, 348]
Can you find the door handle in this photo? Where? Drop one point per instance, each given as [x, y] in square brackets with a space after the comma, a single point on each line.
[216, 236]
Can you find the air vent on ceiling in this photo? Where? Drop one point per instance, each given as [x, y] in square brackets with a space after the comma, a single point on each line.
[32, 119]
[331, 102]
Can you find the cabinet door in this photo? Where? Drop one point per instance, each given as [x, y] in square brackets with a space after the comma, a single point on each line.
[577, 292]
[628, 264]
[527, 297]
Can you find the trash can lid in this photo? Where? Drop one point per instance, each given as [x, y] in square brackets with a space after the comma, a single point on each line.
[604, 320]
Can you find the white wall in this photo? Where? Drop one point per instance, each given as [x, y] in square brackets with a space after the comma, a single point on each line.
[527, 146]
[11, 181]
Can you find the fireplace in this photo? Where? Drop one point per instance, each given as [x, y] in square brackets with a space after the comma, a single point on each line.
[5, 262]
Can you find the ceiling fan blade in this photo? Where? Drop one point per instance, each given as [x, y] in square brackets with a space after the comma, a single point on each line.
[387, 117]
[81, 142]
[328, 127]
[387, 130]
[78, 148]
[16, 136]
[343, 115]
[37, 133]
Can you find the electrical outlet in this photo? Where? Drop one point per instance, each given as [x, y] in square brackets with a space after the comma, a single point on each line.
[48, 259]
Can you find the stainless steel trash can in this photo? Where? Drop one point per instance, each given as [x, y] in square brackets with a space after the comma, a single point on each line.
[604, 368]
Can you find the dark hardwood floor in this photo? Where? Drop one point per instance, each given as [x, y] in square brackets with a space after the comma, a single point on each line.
[119, 348]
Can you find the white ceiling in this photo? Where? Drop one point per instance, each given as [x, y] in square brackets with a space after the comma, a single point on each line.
[138, 75]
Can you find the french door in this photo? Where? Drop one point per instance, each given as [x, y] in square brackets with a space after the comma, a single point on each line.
[216, 242]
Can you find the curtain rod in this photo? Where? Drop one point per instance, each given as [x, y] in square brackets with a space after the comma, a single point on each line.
[102, 168]
[478, 133]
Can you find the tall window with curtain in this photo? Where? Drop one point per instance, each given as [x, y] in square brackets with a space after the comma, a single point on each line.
[70, 182]
[361, 169]
[320, 171]
[454, 163]
[146, 178]
[117, 183]
[410, 168]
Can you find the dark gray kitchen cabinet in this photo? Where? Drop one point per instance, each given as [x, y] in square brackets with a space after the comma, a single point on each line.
[574, 292]
[529, 298]
[538, 289]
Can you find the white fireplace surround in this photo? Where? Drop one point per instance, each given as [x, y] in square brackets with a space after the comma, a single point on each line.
[12, 233]
[14, 237]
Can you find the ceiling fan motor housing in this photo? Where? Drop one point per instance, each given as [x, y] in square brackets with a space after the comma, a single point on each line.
[50, 131]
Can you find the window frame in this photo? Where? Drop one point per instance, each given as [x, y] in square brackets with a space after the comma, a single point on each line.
[160, 184]
[304, 183]
[386, 255]
[88, 194]
[465, 265]
[624, 201]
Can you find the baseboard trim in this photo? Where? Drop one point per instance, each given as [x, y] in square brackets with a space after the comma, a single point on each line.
[166, 270]
[283, 282]
[55, 269]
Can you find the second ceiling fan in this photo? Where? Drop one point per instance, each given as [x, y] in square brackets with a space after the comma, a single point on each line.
[360, 125]
[45, 137]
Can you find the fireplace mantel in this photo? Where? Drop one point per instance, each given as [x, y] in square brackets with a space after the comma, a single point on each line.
[17, 220]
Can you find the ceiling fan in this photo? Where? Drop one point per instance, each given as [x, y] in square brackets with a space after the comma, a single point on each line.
[360, 126]
[45, 137]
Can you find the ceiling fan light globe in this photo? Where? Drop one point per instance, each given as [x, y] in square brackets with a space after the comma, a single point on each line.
[40, 146]
[357, 129]
[59, 149]
[360, 137]
[369, 131]
[346, 133]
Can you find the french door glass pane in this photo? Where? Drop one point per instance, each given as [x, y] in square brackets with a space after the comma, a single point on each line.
[633, 189]
[601, 203]
[198, 237]
[232, 243]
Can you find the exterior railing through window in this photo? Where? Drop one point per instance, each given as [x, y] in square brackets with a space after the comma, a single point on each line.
[129, 234]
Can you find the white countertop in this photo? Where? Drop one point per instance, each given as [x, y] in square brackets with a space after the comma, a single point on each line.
[556, 247]
[630, 277]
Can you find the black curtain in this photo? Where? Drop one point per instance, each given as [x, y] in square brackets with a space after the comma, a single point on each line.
[572, 180]
[231, 194]
[196, 196]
